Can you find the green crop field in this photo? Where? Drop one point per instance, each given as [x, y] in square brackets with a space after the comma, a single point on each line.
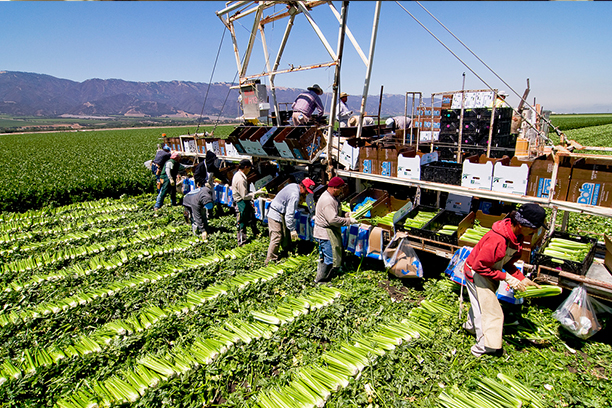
[50, 169]
[105, 305]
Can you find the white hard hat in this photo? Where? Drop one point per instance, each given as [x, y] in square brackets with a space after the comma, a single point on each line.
[390, 122]
[502, 93]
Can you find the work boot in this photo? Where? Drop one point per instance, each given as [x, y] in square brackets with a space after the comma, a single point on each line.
[323, 272]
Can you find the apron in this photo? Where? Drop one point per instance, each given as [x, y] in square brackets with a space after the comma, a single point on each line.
[335, 239]
[491, 313]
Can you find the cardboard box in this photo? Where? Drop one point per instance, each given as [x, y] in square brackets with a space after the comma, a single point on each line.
[512, 178]
[408, 167]
[251, 143]
[591, 182]
[447, 100]
[387, 160]
[368, 159]
[485, 220]
[280, 142]
[458, 203]
[477, 175]
[540, 174]
[349, 156]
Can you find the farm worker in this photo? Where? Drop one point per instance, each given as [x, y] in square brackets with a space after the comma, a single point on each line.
[195, 204]
[328, 230]
[305, 104]
[157, 165]
[168, 179]
[344, 113]
[281, 217]
[354, 120]
[500, 101]
[491, 261]
[398, 122]
[200, 175]
[243, 201]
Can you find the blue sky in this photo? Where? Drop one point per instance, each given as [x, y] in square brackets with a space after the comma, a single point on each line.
[563, 47]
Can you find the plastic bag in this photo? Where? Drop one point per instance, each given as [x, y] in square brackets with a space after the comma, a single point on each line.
[455, 266]
[577, 314]
[401, 259]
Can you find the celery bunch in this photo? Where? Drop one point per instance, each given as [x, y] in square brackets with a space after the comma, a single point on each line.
[419, 220]
[567, 249]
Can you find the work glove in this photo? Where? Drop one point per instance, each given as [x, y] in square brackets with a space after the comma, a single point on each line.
[352, 220]
[204, 236]
[294, 236]
[514, 283]
[258, 193]
[172, 182]
[529, 282]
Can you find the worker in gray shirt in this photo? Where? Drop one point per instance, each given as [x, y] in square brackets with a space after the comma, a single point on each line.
[328, 230]
[195, 204]
[281, 216]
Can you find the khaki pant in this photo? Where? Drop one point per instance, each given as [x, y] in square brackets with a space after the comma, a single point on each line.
[486, 317]
[279, 236]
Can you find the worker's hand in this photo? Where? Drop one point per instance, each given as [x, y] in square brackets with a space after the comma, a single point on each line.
[514, 283]
[294, 236]
[172, 182]
[352, 220]
[349, 214]
[204, 236]
[529, 282]
[258, 193]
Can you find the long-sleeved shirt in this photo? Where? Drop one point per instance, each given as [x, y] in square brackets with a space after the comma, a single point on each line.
[401, 122]
[171, 169]
[240, 187]
[327, 215]
[492, 248]
[285, 204]
[307, 102]
[344, 113]
[196, 200]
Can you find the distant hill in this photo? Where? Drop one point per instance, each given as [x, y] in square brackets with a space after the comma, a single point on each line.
[30, 94]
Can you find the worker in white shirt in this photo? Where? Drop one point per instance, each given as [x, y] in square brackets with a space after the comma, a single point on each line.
[343, 112]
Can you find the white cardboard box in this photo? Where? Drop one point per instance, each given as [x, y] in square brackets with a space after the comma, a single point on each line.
[409, 167]
[510, 179]
[349, 156]
[477, 175]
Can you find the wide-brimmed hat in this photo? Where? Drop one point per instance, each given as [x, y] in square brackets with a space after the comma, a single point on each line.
[531, 215]
[343, 94]
[316, 88]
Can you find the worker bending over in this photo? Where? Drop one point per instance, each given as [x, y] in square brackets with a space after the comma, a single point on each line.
[491, 261]
[305, 105]
[281, 216]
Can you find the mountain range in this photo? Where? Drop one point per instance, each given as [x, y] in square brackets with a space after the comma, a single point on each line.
[32, 94]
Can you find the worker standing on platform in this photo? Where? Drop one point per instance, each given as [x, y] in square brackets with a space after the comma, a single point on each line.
[343, 112]
[281, 216]
[328, 230]
[305, 105]
[491, 261]
[500, 101]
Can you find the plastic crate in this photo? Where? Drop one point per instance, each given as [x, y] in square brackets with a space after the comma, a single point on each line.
[444, 217]
[419, 232]
[442, 172]
[578, 268]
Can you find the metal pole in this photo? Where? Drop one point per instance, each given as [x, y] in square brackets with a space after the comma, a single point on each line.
[491, 123]
[332, 113]
[406, 114]
[272, 87]
[366, 84]
[249, 50]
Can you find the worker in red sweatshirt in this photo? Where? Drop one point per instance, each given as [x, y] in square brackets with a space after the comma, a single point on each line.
[491, 261]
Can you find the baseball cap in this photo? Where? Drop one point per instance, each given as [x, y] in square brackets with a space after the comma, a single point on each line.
[308, 184]
[166, 148]
[531, 215]
[335, 182]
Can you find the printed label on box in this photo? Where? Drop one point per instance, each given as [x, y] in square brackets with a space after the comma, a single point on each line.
[589, 193]
[367, 166]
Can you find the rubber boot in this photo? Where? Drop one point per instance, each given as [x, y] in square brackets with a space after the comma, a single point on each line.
[323, 272]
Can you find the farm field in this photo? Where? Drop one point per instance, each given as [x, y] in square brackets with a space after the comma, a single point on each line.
[105, 304]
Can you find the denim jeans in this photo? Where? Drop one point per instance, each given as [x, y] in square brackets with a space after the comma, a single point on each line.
[325, 251]
[165, 189]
